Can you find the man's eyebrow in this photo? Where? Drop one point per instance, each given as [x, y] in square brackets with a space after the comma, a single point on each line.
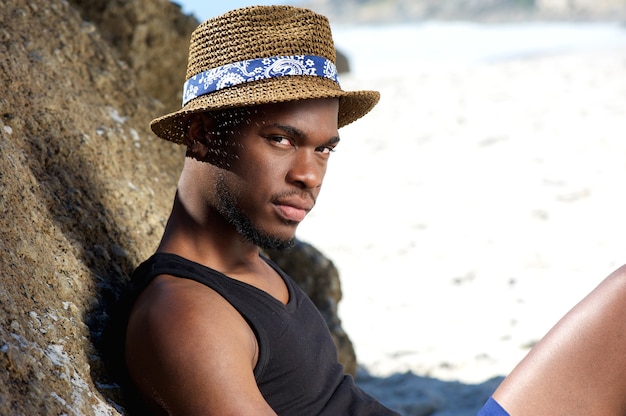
[299, 133]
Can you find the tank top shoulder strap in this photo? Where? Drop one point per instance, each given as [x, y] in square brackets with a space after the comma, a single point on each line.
[244, 298]
[170, 264]
[174, 265]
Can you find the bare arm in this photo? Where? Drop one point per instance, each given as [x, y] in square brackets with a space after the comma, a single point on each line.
[191, 352]
[579, 367]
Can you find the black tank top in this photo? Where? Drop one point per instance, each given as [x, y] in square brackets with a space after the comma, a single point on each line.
[297, 372]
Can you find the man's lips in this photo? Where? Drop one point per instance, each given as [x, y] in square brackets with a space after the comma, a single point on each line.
[292, 209]
[291, 213]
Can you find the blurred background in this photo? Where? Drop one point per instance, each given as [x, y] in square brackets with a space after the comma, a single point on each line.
[393, 11]
[379, 34]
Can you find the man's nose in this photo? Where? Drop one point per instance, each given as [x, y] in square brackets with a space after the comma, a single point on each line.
[307, 170]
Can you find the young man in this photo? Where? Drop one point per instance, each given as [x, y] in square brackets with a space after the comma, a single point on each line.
[217, 329]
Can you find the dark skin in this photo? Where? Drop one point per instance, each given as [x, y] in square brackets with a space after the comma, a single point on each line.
[579, 367]
[272, 169]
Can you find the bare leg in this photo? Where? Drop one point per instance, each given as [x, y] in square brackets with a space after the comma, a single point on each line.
[579, 367]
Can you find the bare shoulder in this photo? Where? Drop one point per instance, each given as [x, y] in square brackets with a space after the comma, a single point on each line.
[190, 351]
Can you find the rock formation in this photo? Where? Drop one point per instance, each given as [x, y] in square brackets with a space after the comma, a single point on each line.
[152, 37]
[85, 191]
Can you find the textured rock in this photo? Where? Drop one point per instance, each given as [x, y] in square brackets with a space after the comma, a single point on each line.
[151, 36]
[85, 191]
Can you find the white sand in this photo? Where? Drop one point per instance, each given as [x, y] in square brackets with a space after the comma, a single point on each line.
[468, 212]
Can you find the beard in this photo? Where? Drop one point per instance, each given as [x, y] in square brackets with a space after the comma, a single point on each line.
[229, 209]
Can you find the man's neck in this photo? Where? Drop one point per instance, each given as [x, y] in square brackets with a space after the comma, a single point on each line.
[225, 252]
[208, 240]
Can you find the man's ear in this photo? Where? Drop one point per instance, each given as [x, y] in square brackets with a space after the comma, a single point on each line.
[200, 124]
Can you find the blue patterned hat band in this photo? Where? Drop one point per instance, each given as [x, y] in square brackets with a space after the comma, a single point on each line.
[216, 79]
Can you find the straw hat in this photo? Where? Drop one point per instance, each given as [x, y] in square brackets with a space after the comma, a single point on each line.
[260, 55]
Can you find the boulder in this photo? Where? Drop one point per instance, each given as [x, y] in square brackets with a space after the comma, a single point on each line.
[86, 189]
[151, 36]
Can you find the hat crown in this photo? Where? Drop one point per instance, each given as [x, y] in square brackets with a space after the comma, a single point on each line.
[261, 55]
[259, 32]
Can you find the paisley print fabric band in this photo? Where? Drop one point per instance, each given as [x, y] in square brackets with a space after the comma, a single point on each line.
[256, 69]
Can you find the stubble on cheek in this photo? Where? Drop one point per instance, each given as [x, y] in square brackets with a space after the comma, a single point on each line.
[228, 207]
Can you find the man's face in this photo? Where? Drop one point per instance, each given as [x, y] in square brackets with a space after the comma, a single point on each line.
[276, 173]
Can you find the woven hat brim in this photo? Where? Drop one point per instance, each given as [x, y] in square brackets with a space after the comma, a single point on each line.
[352, 104]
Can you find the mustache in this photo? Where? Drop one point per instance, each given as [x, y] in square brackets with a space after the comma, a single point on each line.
[306, 195]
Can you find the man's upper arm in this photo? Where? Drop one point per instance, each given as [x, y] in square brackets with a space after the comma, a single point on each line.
[192, 352]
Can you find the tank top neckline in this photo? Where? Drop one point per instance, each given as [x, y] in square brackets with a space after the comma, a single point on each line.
[289, 306]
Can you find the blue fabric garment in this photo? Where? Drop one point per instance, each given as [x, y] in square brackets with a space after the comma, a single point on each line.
[492, 408]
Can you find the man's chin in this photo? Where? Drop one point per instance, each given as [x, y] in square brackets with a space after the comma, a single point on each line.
[267, 241]
[274, 243]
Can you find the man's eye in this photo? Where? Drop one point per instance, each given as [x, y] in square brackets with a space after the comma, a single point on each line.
[280, 140]
[327, 149]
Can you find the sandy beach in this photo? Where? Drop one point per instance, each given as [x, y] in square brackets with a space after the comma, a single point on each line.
[469, 211]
